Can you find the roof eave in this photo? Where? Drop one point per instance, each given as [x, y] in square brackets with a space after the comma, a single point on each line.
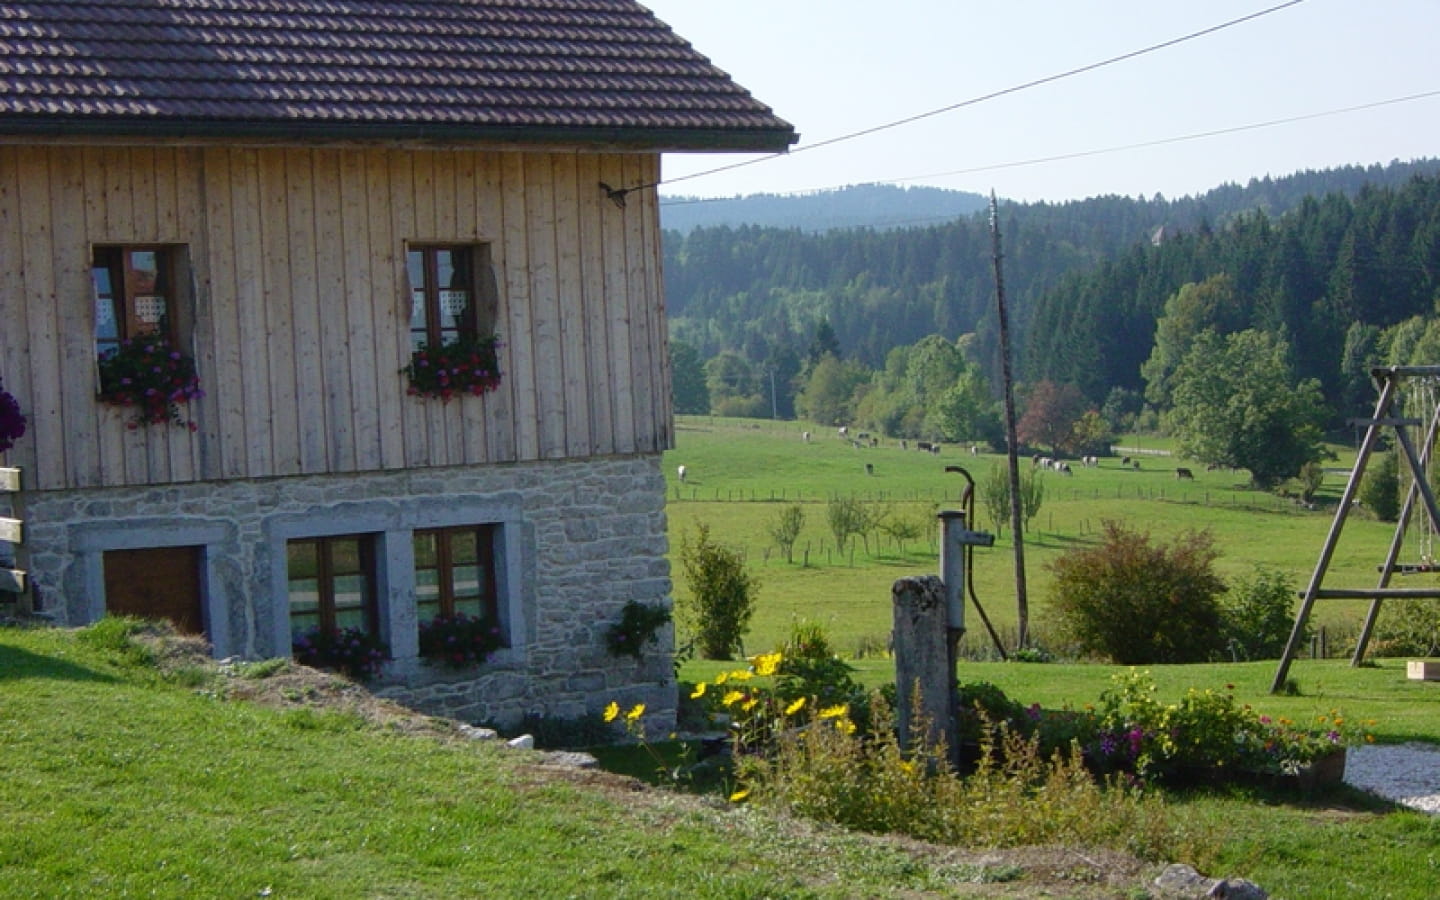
[655, 139]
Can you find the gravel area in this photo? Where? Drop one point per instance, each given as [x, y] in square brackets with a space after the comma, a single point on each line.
[1408, 774]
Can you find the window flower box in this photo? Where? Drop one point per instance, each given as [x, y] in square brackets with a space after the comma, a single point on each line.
[466, 365]
[151, 375]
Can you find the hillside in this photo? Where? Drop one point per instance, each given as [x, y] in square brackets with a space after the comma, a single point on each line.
[857, 206]
[762, 292]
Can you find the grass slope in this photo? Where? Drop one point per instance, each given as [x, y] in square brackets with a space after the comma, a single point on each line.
[117, 782]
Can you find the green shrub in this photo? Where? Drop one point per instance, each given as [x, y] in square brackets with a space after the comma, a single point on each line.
[1380, 488]
[785, 530]
[810, 668]
[722, 595]
[1259, 614]
[1135, 602]
[1407, 627]
[639, 623]
[847, 517]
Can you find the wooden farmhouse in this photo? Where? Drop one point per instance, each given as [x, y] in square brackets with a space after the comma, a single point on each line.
[347, 314]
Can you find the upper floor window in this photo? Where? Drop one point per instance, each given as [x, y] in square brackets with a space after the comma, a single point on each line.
[134, 294]
[452, 293]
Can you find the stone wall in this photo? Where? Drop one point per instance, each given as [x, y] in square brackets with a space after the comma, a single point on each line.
[579, 539]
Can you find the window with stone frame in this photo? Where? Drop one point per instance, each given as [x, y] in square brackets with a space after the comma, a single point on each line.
[455, 573]
[332, 584]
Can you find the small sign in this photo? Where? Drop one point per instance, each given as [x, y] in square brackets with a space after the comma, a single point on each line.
[104, 314]
[150, 309]
[454, 303]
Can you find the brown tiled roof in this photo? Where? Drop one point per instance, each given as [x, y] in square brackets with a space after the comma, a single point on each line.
[591, 71]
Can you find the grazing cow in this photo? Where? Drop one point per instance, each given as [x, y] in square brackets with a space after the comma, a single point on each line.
[1090, 462]
[935, 449]
[923, 445]
[844, 431]
[1125, 461]
[974, 450]
[1183, 474]
[680, 472]
[1064, 469]
[1135, 464]
[805, 436]
[869, 469]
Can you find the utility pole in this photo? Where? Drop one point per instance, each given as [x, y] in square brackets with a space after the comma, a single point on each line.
[1017, 520]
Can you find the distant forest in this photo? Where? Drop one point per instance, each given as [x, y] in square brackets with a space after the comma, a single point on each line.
[1312, 257]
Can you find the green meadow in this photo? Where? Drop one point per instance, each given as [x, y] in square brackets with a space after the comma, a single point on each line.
[740, 473]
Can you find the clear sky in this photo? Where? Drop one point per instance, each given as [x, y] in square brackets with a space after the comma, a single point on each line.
[833, 67]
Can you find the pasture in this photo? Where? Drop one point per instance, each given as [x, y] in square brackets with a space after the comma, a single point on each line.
[740, 473]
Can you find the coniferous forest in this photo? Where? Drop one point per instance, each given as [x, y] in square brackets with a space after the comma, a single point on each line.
[1106, 296]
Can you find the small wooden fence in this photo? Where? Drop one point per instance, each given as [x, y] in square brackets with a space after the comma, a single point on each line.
[12, 580]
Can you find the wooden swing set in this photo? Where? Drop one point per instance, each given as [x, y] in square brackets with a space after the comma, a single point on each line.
[1394, 401]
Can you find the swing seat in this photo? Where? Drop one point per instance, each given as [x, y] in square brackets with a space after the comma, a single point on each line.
[1412, 568]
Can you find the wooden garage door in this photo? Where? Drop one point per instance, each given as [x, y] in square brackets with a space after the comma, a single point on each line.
[156, 583]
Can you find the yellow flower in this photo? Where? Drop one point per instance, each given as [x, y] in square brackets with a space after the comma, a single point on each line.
[844, 726]
[835, 712]
[698, 692]
[635, 713]
[612, 711]
[795, 707]
[731, 698]
[741, 675]
[907, 766]
[722, 678]
[739, 795]
[767, 664]
[749, 704]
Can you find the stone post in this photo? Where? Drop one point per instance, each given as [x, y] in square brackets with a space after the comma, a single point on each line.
[923, 664]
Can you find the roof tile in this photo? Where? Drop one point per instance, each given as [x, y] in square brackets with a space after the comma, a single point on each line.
[604, 69]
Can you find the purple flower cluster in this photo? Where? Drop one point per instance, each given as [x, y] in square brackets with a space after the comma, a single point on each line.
[149, 374]
[349, 651]
[12, 422]
[459, 641]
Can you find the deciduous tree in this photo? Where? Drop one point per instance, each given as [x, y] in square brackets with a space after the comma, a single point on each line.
[1237, 404]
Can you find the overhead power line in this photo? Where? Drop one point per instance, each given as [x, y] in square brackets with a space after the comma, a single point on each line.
[1120, 148]
[1068, 73]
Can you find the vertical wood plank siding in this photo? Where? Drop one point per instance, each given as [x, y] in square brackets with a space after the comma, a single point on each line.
[300, 307]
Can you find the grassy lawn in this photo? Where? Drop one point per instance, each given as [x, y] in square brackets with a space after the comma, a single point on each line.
[116, 782]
